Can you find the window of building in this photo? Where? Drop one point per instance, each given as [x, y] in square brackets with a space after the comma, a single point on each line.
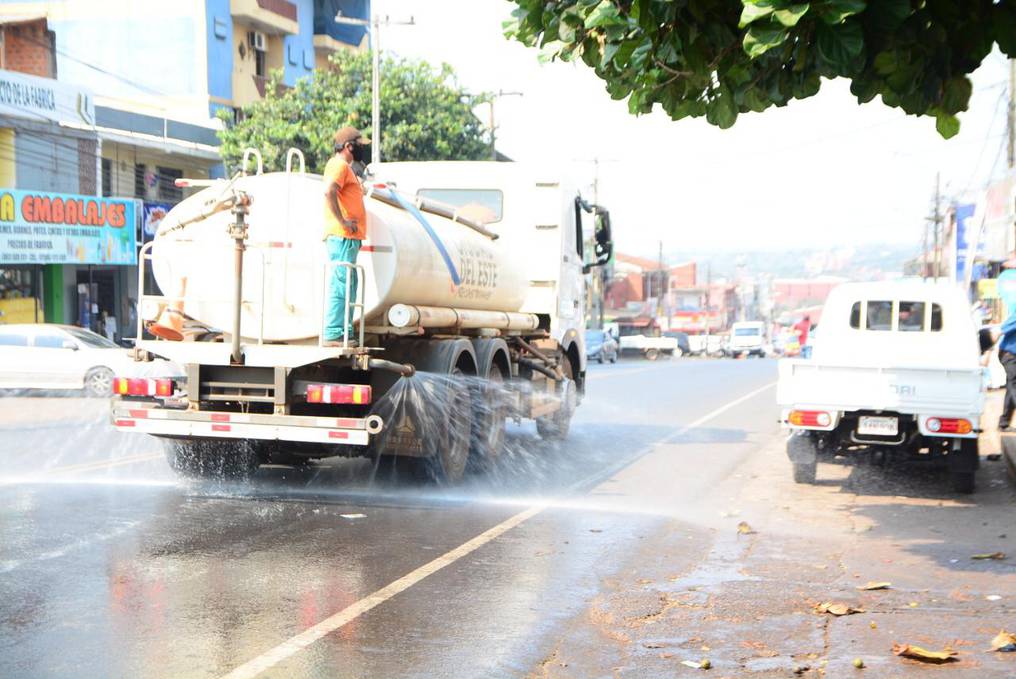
[910, 316]
[139, 180]
[880, 315]
[107, 177]
[260, 60]
[168, 190]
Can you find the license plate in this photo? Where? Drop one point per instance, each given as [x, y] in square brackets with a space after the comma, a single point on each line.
[878, 426]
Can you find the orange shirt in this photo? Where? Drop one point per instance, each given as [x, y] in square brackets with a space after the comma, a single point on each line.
[338, 172]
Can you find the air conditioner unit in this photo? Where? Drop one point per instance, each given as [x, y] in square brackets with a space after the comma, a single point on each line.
[258, 41]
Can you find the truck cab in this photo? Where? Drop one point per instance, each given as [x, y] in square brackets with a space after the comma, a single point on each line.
[538, 215]
[747, 338]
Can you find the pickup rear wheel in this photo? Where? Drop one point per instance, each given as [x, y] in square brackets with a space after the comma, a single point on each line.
[652, 354]
[802, 449]
[963, 463]
[805, 472]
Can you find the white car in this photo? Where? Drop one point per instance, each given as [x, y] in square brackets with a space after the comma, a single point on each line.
[56, 357]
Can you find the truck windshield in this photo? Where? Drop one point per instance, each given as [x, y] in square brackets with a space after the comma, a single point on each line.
[480, 205]
[746, 332]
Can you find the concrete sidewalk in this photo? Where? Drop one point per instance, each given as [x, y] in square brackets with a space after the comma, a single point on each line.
[991, 439]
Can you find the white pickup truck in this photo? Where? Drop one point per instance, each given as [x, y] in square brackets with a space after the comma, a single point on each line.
[643, 336]
[896, 371]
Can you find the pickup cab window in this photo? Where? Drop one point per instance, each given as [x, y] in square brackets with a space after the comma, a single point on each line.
[880, 315]
[910, 317]
[936, 318]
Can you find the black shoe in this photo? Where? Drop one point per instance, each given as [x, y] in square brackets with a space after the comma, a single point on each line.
[1006, 428]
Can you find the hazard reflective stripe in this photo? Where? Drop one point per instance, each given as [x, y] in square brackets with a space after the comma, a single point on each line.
[347, 423]
[141, 414]
[220, 417]
[338, 434]
[125, 423]
[222, 427]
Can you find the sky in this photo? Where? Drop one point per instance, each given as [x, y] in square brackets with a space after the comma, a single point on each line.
[821, 172]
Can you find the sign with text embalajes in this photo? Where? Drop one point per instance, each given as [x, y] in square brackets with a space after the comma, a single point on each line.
[29, 96]
[57, 228]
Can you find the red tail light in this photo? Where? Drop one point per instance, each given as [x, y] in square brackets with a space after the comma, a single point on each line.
[143, 386]
[810, 418]
[948, 425]
[339, 393]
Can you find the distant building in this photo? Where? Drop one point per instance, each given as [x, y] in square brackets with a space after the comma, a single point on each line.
[791, 293]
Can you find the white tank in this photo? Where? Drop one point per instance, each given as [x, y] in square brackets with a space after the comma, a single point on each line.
[285, 261]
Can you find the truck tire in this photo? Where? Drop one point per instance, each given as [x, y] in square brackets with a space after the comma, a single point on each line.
[802, 450]
[211, 458]
[490, 409]
[447, 464]
[963, 463]
[652, 354]
[555, 427]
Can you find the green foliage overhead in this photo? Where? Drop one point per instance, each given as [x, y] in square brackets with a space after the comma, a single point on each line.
[721, 58]
[425, 115]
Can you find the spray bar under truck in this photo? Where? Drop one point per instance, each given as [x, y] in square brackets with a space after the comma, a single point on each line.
[473, 272]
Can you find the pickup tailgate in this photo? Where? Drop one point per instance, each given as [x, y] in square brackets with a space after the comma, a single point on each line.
[911, 390]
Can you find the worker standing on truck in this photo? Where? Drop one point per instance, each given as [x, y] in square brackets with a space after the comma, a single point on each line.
[345, 228]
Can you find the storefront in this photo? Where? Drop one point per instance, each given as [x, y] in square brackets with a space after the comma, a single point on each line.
[70, 255]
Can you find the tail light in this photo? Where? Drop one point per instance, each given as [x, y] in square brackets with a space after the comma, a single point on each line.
[143, 386]
[810, 418]
[339, 393]
[948, 425]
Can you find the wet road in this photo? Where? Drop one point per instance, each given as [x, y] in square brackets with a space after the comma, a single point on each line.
[574, 559]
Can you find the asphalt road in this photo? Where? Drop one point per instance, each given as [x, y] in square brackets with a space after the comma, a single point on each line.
[616, 552]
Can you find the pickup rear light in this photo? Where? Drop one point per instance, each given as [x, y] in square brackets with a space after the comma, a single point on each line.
[948, 425]
[339, 393]
[143, 386]
[810, 418]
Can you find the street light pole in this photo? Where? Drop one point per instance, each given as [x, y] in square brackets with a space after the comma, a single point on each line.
[373, 26]
[493, 98]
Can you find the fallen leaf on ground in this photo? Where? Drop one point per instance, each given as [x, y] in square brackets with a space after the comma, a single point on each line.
[996, 556]
[744, 529]
[1005, 642]
[835, 608]
[923, 654]
[875, 585]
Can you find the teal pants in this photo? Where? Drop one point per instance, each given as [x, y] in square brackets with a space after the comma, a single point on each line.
[340, 250]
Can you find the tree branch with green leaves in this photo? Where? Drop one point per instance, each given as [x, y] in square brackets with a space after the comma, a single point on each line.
[722, 58]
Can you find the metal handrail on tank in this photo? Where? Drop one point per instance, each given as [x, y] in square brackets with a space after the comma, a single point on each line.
[247, 153]
[289, 191]
[289, 160]
[145, 255]
[361, 275]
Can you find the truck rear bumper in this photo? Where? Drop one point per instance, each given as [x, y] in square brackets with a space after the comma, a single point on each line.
[149, 418]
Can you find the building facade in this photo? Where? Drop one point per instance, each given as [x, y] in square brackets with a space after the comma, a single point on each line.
[117, 99]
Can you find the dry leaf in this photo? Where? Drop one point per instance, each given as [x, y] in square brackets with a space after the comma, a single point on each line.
[1004, 642]
[996, 556]
[923, 654]
[744, 529]
[834, 608]
[875, 585]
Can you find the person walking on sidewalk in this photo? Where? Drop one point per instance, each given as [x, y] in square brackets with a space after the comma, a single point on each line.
[1007, 351]
[345, 228]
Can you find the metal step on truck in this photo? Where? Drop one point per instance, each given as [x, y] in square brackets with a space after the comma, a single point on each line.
[472, 273]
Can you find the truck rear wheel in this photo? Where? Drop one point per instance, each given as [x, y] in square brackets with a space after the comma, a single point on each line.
[447, 464]
[490, 412]
[652, 354]
[802, 449]
[211, 458]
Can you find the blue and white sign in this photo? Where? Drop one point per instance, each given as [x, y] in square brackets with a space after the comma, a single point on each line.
[967, 233]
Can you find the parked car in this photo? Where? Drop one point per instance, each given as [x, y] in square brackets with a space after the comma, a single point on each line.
[683, 345]
[897, 373]
[747, 338]
[58, 357]
[601, 346]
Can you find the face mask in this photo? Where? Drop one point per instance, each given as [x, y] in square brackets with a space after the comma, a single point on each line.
[361, 153]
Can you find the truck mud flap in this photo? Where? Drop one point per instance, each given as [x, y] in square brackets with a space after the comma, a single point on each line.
[802, 448]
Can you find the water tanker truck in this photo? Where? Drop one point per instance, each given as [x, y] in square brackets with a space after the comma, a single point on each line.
[472, 273]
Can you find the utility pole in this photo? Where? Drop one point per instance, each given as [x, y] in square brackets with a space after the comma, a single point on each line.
[1012, 114]
[709, 291]
[661, 284]
[493, 98]
[938, 224]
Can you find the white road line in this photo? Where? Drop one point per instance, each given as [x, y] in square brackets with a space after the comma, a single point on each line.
[287, 649]
[104, 464]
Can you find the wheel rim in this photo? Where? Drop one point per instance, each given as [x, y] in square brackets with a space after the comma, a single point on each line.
[100, 382]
